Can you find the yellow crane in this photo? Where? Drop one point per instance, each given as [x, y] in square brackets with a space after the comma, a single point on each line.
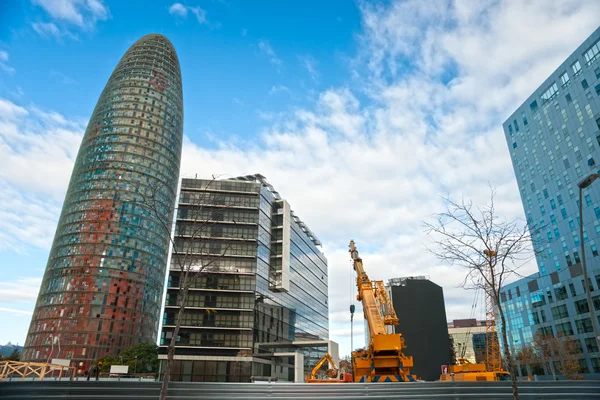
[383, 360]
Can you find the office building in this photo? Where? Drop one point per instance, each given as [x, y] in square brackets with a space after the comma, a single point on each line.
[419, 305]
[554, 143]
[103, 285]
[469, 339]
[259, 308]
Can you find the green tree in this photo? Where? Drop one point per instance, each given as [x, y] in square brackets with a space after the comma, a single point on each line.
[107, 361]
[14, 356]
[147, 358]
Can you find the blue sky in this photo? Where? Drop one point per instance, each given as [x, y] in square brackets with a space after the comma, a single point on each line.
[362, 115]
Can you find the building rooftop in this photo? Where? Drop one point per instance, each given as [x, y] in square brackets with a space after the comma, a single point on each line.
[263, 181]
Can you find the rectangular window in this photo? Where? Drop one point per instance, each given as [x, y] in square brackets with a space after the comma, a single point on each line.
[550, 93]
[588, 200]
[564, 329]
[584, 84]
[553, 205]
[510, 129]
[572, 289]
[582, 306]
[525, 122]
[597, 72]
[568, 98]
[556, 233]
[516, 125]
[584, 325]
[591, 54]
[543, 209]
[533, 106]
[594, 250]
[560, 200]
[576, 66]
[563, 212]
[564, 78]
[576, 254]
[545, 191]
[560, 312]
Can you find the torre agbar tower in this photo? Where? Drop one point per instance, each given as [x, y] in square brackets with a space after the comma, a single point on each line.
[103, 285]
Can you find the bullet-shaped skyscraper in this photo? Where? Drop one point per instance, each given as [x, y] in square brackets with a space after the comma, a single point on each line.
[103, 285]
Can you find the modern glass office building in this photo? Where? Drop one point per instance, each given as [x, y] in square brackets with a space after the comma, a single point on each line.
[554, 143]
[103, 285]
[259, 306]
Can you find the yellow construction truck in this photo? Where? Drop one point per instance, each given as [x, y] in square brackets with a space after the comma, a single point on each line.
[464, 370]
[383, 360]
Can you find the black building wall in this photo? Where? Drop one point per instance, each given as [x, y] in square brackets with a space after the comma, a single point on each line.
[419, 304]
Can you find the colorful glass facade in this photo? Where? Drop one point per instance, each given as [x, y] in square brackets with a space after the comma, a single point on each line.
[103, 285]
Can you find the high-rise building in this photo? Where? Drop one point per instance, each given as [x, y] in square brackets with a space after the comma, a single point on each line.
[554, 143]
[102, 288]
[419, 305]
[259, 308]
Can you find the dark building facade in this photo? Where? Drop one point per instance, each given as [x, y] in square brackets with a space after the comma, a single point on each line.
[419, 304]
[264, 283]
[103, 285]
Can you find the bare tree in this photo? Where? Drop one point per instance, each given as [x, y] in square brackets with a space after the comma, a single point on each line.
[194, 255]
[488, 246]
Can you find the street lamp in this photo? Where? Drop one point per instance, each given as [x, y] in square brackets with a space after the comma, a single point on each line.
[587, 181]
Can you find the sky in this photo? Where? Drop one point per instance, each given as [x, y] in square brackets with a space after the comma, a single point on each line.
[363, 115]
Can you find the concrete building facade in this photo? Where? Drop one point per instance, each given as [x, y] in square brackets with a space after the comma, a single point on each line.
[103, 284]
[260, 308]
[469, 339]
[554, 143]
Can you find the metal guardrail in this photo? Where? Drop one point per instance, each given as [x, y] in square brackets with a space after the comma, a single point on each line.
[104, 390]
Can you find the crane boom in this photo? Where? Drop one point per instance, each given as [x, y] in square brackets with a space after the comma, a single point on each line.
[384, 360]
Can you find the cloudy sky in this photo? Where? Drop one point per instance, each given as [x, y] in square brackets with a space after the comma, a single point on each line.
[363, 115]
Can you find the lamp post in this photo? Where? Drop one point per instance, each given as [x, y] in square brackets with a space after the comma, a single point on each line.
[588, 289]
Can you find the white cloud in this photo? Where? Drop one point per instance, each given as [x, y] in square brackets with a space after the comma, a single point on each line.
[310, 64]
[265, 47]
[182, 11]
[37, 152]
[14, 311]
[3, 59]
[20, 289]
[50, 29]
[83, 13]
[279, 89]
[370, 160]
[436, 81]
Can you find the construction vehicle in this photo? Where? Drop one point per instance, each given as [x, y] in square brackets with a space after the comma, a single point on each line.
[464, 370]
[383, 360]
[332, 373]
